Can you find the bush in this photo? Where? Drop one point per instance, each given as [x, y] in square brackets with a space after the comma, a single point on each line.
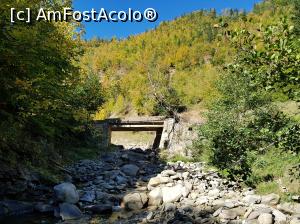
[241, 123]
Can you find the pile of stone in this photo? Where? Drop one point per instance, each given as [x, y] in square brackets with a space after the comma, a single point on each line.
[136, 183]
[184, 193]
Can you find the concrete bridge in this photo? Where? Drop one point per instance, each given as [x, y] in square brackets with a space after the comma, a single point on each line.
[161, 125]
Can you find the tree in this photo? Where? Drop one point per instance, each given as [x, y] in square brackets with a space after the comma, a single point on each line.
[39, 81]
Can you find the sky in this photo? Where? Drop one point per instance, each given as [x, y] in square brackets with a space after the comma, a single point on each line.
[166, 9]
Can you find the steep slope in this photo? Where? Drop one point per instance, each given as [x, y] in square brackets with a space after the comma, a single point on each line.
[178, 61]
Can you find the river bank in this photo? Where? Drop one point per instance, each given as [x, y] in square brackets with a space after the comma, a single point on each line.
[134, 186]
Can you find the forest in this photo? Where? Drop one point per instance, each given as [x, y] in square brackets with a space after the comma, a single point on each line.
[240, 70]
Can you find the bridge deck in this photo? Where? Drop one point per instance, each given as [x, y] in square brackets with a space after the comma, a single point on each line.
[137, 121]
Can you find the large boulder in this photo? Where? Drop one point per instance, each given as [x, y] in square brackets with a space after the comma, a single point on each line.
[66, 192]
[172, 194]
[130, 170]
[69, 211]
[252, 199]
[265, 219]
[280, 218]
[270, 199]
[290, 208]
[155, 196]
[135, 201]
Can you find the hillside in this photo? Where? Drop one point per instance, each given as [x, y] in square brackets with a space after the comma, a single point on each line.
[179, 60]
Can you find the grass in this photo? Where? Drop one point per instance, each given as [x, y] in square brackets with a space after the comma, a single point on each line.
[166, 156]
[271, 173]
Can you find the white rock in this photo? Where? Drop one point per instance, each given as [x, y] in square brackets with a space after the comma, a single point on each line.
[252, 199]
[290, 208]
[228, 214]
[164, 180]
[153, 182]
[172, 194]
[135, 201]
[280, 218]
[295, 220]
[185, 191]
[194, 195]
[265, 219]
[214, 193]
[167, 173]
[217, 212]
[202, 200]
[155, 196]
[185, 175]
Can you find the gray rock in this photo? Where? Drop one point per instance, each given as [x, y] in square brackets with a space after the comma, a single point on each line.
[185, 191]
[248, 212]
[150, 216]
[270, 199]
[130, 169]
[214, 193]
[135, 201]
[230, 203]
[290, 208]
[11, 207]
[252, 199]
[100, 209]
[240, 211]
[69, 211]
[263, 209]
[155, 196]
[202, 200]
[217, 212]
[228, 214]
[121, 180]
[218, 203]
[253, 221]
[66, 192]
[295, 220]
[88, 196]
[265, 219]
[153, 182]
[43, 208]
[253, 215]
[168, 207]
[185, 175]
[280, 218]
[168, 173]
[172, 194]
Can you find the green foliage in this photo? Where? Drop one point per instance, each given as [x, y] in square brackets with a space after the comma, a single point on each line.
[242, 122]
[289, 138]
[191, 49]
[43, 97]
[275, 169]
[270, 59]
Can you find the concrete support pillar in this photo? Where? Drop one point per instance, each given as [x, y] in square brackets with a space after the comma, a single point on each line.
[167, 133]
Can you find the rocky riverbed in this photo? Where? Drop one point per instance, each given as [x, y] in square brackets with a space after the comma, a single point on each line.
[133, 186]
